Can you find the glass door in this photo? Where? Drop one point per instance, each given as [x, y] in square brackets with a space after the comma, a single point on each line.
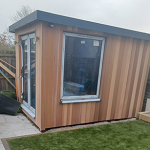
[28, 71]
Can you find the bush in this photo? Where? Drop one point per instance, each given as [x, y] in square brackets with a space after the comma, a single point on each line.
[9, 94]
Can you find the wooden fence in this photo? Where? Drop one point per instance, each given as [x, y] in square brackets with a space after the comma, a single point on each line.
[9, 57]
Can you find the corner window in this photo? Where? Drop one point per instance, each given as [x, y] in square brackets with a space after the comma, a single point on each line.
[81, 68]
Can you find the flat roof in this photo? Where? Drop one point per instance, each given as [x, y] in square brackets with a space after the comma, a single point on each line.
[63, 20]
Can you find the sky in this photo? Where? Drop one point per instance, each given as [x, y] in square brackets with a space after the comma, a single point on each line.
[129, 14]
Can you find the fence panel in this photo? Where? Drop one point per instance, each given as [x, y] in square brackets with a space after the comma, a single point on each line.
[9, 57]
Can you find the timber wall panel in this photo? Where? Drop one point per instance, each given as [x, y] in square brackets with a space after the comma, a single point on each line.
[129, 83]
[136, 46]
[102, 107]
[37, 28]
[122, 79]
[112, 75]
[118, 72]
[143, 80]
[135, 84]
[140, 76]
[122, 71]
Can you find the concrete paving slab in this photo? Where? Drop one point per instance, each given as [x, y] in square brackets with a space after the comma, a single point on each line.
[3, 129]
[1, 147]
[25, 121]
[26, 132]
[22, 117]
[28, 126]
[11, 119]
[6, 134]
[13, 126]
[2, 119]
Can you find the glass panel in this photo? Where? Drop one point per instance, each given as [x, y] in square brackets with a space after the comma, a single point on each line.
[25, 71]
[81, 66]
[32, 50]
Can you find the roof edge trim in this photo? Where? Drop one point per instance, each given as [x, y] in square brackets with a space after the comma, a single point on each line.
[59, 19]
[26, 20]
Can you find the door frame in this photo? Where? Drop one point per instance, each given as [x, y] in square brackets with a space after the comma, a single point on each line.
[24, 103]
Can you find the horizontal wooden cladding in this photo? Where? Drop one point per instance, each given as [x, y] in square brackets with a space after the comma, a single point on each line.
[124, 74]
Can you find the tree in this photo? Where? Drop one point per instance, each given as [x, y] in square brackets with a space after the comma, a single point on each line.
[7, 38]
[6, 41]
[23, 12]
[3, 38]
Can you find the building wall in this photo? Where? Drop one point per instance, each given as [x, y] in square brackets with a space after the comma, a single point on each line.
[37, 28]
[124, 75]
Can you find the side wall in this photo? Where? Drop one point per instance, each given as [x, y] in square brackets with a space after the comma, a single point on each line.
[37, 28]
[124, 75]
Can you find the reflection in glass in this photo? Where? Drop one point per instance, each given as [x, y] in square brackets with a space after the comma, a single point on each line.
[32, 63]
[81, 66]
[25, 71]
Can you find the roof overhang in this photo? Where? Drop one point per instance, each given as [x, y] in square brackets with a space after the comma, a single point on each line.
[63, 20]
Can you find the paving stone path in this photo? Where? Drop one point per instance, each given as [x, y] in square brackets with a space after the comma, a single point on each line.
[13, 126]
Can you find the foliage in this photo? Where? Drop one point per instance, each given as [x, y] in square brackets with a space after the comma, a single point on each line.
[9, 94]
[131, 135]
[6, 41]
[3, 38]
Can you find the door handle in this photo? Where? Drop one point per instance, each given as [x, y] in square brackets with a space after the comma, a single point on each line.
[20, 77]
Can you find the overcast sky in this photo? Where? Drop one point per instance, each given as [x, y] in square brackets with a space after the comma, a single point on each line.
[130, 14]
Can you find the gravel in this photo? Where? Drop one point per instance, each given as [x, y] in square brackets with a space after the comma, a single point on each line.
[87, 125]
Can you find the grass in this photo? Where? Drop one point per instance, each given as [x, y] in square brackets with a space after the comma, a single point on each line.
[132, 135]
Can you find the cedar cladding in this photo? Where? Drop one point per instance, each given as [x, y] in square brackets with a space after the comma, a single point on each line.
[123, 81]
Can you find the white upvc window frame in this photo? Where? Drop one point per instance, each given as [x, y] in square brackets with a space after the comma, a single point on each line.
[27, 106]
[87, 98]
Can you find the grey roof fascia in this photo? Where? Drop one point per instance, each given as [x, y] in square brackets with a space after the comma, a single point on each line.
[24, 21]
[53, 18]
[58, 19]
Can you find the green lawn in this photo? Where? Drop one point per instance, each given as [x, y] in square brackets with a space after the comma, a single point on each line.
[132, 135]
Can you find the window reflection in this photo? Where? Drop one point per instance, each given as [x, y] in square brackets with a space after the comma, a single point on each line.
[32, 59]
[81, 66]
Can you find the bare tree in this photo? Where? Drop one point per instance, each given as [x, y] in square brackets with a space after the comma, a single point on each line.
[7, 38]
[23, 12]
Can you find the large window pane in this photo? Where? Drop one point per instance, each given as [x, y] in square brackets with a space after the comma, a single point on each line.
[81, 66]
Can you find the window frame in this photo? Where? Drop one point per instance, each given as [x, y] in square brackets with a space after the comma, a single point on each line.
[86, 98]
